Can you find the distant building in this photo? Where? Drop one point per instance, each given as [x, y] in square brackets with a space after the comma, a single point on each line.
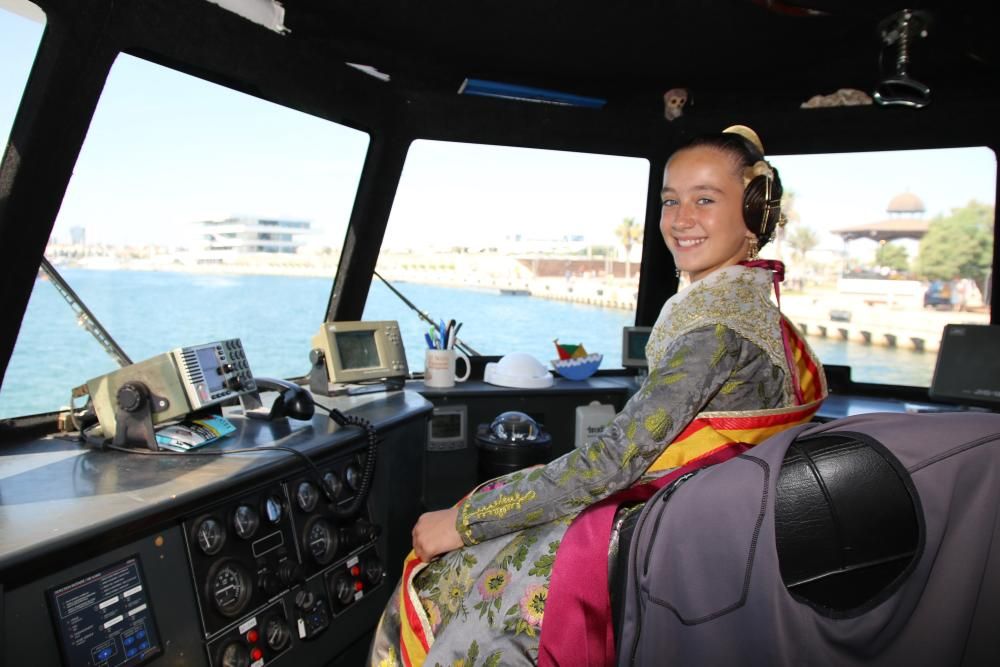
[905, 220]
[232, 237]
[78, 235]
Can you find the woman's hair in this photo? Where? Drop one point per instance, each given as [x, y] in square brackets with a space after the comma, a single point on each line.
[762, 185]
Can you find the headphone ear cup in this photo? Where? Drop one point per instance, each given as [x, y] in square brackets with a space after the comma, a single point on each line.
[761, 208]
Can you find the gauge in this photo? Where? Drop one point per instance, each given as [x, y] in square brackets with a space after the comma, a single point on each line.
[307, 495]
[276, 633]
[229, 587]
[353, 476]
[246, 521]
[333, 484]
[274, 509]
[236, 654]
[321, 540]
[210, 536]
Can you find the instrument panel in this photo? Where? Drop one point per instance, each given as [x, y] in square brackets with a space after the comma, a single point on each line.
[275, 564]
[236, 560]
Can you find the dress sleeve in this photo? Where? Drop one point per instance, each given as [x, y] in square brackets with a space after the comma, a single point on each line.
[696, 367]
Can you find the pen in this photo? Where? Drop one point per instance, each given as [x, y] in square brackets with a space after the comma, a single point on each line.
[430, 342]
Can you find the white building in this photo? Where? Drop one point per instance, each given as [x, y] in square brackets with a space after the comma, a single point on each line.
[219, 240]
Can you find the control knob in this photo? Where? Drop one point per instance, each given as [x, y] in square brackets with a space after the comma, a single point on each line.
[276, 633]
[290, 573]
[235, 654]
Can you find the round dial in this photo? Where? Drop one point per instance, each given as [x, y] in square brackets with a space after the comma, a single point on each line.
[276, 633]
[236, 654]
[229, 587]
[210, 536]
[246, 521]
[321, 540]
[353, 476]
[333, 483]
[273, 509]
[307, 496]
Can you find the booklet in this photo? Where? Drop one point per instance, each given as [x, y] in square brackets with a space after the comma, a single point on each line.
[192, 433]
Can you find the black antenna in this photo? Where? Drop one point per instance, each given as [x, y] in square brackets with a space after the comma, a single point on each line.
[84, 317]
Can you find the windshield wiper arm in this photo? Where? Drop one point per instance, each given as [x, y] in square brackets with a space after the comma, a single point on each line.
[84, 317]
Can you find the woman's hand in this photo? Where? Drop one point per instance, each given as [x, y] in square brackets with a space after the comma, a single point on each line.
[435, 534]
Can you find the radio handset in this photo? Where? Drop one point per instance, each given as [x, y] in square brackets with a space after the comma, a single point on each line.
[296, 402]
[292, 401]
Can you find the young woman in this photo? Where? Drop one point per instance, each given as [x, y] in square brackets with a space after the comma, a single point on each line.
[726, 372]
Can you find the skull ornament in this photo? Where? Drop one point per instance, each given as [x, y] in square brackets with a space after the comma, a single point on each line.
[673, 103]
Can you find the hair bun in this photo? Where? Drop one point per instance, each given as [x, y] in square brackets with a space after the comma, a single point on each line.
[747, 134]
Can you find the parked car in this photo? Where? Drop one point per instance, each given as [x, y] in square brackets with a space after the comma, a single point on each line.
[938, 295]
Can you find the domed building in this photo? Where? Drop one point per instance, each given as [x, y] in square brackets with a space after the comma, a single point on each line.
[905, 221]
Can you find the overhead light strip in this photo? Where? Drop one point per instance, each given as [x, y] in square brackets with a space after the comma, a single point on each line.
[509, 91]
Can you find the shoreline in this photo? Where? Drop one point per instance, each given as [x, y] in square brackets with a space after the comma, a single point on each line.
[836, 316]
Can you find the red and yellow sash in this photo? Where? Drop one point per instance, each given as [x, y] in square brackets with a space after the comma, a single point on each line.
[712, 430]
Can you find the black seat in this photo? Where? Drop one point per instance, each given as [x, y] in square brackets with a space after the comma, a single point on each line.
[845, 522]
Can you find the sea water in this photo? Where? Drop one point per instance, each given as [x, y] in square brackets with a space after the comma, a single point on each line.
[276, 316]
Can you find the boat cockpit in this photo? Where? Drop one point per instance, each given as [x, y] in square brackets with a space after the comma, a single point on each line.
[344, 238]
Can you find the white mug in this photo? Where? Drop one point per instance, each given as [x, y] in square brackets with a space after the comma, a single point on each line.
[439, 368]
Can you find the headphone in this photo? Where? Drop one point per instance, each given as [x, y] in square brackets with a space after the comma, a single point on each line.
[762, 190]
[762, 203]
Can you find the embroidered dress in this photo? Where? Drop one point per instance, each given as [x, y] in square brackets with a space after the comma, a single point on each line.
[716, 351]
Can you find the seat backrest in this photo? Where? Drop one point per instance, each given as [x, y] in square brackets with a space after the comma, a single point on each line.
[845, 523]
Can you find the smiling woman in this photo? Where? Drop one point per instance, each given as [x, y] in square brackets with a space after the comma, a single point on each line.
[720, 202]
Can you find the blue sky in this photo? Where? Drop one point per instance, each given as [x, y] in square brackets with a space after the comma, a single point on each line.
[165, 150]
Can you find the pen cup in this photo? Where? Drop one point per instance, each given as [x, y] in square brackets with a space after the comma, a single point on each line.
[439, 368]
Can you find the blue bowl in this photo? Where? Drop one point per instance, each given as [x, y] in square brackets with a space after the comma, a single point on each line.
[578, 369]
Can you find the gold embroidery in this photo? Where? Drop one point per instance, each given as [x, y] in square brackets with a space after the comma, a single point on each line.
[736, 297]
[731, 386]
[630, 453]
[502, 506]
[658, 424]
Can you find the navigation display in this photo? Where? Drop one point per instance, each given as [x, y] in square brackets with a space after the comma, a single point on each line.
[104, 619]
[357, 349]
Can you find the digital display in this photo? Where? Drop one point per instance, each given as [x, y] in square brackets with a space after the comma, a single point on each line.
[968, 365]
[637, 344]
[357, 349]
[104, 619]
[447, 425]
[446, 428]
[209, 362]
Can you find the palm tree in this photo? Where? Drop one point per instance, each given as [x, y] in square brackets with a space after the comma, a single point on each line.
[629, 234]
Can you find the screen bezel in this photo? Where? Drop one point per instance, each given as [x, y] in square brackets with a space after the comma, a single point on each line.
[950, 352]
[388, 352]
[627, 334]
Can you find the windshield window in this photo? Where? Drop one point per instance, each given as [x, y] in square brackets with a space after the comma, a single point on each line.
[883, 250]
[20, 34]
[522, 246]
[195, 213]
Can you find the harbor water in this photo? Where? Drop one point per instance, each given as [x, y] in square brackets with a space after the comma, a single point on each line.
[276, 316]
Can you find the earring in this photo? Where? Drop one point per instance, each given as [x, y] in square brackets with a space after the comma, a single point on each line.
[752, 248]
[677, 273]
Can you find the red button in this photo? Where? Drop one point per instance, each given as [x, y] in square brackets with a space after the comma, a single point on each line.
[256, 654]
[355, 571]
[252, 636]
[358, 585]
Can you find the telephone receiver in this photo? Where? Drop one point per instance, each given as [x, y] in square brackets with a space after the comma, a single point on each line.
[293, 400]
